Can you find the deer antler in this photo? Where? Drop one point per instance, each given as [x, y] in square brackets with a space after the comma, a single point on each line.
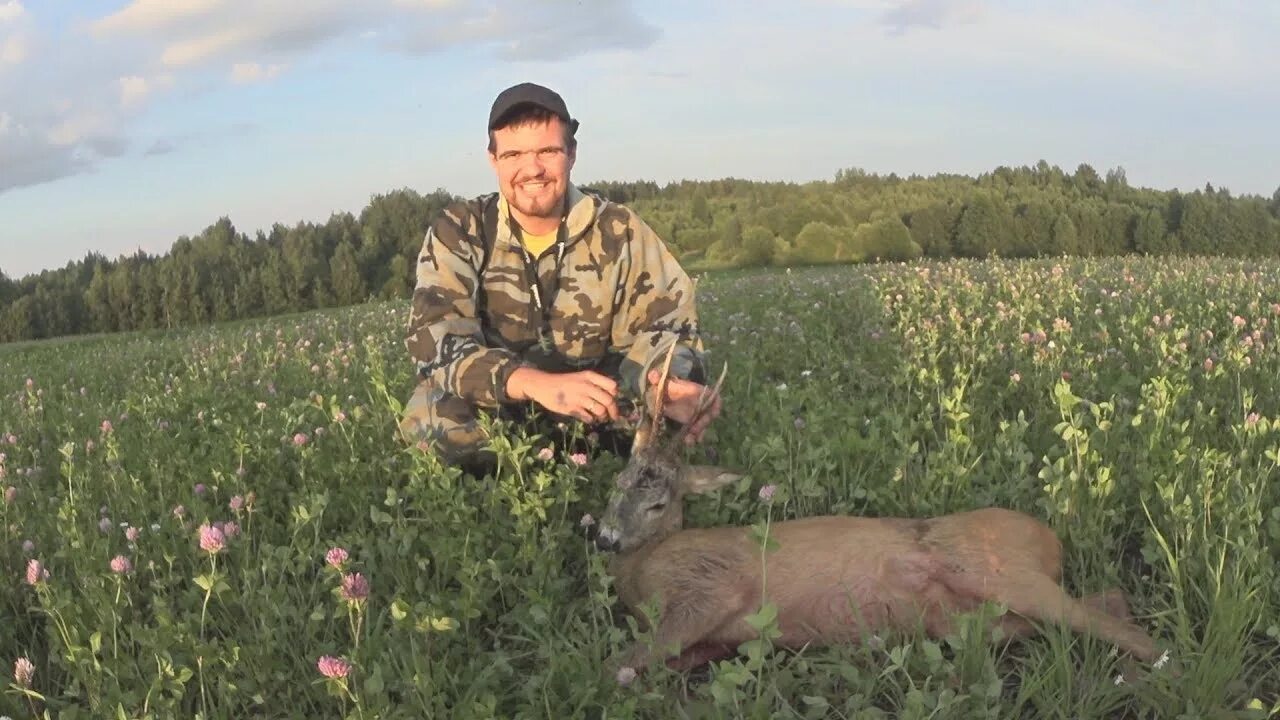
[705, 399]
[646, 434]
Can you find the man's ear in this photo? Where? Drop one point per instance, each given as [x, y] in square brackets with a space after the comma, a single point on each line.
[702, 479]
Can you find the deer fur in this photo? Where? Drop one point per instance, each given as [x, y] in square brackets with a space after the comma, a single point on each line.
[833, 579]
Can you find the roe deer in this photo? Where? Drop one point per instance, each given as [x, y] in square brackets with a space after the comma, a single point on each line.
[832, 579]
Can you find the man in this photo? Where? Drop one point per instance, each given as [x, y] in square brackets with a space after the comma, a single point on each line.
[544, 297]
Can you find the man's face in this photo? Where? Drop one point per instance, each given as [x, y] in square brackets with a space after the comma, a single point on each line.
[533, 164]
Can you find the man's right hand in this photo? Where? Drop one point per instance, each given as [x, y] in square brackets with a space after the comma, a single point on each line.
[586, 395]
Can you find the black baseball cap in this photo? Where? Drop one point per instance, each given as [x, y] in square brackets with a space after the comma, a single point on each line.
[529, 94]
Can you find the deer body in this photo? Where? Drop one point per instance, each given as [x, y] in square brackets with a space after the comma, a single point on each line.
[832, 579]
[842, 579]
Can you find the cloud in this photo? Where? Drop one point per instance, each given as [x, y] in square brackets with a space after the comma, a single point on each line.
[95, 84]
[243, 73]
[14, 41]
[169, 144]
[33, 157]
[517, 31]
[147, 15]
[67, 118]
[133, 89]
[13, 49]
[89, 128]
[934, 14]
[191, 32]
[163, 146]
[609, 26]
[11, 10]
[434, 4]
[203, 47]
[107, 146]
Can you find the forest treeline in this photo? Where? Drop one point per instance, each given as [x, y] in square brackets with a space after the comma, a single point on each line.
[224, 274]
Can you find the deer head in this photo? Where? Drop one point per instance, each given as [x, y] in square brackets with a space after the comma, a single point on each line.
[648, 503]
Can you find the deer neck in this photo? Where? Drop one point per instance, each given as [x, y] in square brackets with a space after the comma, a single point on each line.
[625, 568]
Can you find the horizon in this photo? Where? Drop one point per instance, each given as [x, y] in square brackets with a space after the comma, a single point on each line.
[126, 125]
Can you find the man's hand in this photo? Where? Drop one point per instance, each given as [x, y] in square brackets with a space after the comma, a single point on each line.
[681, 401]
[586, 395]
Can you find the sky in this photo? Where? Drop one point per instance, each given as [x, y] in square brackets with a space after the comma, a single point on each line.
[127, 124]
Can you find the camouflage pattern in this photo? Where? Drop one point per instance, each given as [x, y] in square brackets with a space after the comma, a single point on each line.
[614, 297]
[447, 423]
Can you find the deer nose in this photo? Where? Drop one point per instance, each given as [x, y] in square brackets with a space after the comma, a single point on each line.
[607, 540]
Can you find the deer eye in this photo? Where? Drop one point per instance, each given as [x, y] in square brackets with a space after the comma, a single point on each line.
[658, 507]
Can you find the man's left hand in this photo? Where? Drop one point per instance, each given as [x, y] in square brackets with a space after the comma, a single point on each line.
[681, 402]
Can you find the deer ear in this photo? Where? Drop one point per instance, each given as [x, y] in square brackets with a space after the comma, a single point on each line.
[702, 479]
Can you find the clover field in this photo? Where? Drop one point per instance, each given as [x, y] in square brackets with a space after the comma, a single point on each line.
[221, 522]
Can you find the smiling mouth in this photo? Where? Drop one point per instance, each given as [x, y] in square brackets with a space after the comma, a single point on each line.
[535, 186]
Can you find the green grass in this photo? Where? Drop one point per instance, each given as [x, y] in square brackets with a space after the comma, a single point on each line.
[888, 390]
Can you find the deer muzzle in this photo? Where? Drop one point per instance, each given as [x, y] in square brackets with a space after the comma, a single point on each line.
[608, 539]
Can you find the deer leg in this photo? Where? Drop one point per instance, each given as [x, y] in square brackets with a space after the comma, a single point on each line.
[699, 655]
[684, 622]
[1038, 597]
[1111, 602]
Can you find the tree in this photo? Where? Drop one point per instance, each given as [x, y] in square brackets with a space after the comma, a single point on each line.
[1199, 222]
[1117, 182]
[1151, 236]
[726, 249]
[1033, 229]
[757, 247]
[695, 238]
[1086, 179]
[97, 298]
[1064, 240]
[731, 234]
[17, 320]
[307, 273]
[399, 285]
[121, 291]
[818, 242]
[273, 275]
[885, 239]
[985, 228]
[1089, 227]
[8, 290]
[221, 274]
[931, 228]
[148, 295]
[1115, 236]
[344, 273]
[700, 212]
[1251, 220]
[394, 224]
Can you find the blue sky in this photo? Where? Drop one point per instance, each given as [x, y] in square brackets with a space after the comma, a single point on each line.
[124, 125]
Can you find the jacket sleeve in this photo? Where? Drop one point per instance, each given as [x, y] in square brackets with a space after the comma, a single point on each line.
[444, 335]
[657, 309]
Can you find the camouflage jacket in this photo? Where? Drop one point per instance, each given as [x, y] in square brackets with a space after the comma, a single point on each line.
[608, 296]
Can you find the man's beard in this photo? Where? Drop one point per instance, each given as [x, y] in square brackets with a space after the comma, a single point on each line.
[538, 207]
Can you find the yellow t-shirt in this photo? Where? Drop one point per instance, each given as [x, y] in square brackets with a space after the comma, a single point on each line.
[536, 244]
